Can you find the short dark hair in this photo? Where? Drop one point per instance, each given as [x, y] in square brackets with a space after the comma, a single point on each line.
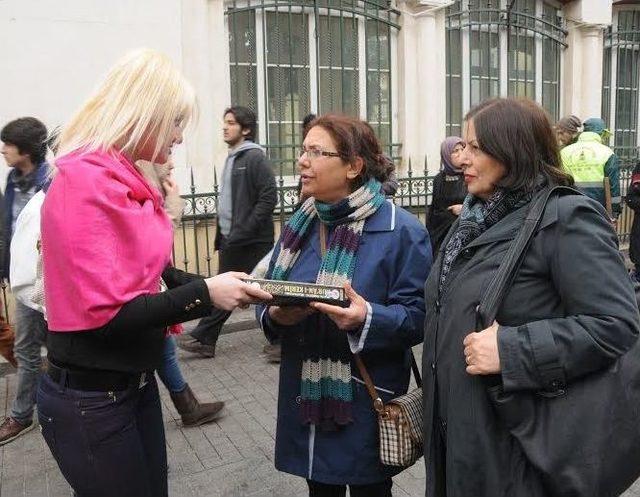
[306, 124]
[355, 138]
[246, 118]
[518, 134]
[29, 135]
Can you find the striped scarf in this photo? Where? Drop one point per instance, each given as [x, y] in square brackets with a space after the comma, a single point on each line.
[326, 390]
[478, 216]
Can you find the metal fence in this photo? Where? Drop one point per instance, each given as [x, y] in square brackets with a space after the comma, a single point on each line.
[193, 248]
[193, 242]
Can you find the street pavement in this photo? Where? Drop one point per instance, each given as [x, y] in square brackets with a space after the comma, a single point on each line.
[232, 457]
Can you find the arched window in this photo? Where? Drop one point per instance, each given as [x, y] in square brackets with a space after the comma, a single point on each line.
[290, 58]
[621, 74]
[502, 48]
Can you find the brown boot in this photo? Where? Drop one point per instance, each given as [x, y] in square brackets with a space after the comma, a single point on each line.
[11, 429]
[196, 347]
[192, 412]
[7, 338]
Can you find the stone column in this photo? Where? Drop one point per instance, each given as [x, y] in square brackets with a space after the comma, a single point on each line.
[582, 81]
[205, 60]
[422, 83]
[582, 75]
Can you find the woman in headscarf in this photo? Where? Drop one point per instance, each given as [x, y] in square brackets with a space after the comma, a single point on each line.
[449, 191]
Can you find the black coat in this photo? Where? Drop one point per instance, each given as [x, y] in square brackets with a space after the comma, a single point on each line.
[254, 196]
[572, 292]
[447, 191]
[633, 201]
[4, 242]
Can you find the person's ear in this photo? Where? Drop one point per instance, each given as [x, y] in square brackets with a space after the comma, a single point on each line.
[355, 168]
[245, 131]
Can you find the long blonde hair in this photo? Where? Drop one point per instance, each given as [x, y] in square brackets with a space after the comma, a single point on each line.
[143, 97]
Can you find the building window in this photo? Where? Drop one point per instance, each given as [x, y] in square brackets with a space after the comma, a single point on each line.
[496, 48]
[621, 72]
[290, 59]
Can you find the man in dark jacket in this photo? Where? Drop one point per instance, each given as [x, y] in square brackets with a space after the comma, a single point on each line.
[245, 216]
[24, 147]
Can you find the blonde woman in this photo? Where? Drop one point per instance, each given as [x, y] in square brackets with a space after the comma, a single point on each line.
[106, 241]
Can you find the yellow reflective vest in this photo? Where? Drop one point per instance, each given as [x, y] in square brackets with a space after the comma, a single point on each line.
[585, 160]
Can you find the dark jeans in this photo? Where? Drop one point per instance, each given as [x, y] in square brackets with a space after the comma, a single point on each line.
[106, 443]
[380, 489]
[242, 259]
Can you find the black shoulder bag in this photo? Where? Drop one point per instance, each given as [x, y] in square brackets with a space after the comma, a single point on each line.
[583, 437]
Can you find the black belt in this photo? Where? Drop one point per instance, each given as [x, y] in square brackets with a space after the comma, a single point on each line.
[96, 380]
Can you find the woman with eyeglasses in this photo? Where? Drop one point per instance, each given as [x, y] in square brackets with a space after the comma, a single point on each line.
[449, 191]
[344, 234]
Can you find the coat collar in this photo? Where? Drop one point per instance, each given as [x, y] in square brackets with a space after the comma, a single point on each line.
[41, 176]
[384, 219]
[509, 227]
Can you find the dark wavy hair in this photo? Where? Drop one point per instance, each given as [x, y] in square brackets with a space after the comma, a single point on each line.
[518, 134]
[29, 135]
[246, 118]
[354, 138]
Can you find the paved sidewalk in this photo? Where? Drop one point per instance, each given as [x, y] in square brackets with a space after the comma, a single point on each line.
[233, 457]
[230, 458]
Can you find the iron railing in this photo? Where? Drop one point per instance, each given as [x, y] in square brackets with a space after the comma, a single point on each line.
[193, 246]
[193, 242]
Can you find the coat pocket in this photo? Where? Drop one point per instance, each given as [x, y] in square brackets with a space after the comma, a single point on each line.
[511, 408]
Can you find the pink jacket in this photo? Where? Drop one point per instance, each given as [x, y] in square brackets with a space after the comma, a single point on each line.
[105, 239]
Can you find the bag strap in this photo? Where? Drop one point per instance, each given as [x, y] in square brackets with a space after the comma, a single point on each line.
[551, 372]
[504, 277]
[416, 370]
[378, 405]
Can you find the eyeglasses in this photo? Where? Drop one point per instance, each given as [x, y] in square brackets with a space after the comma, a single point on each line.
[314, 153]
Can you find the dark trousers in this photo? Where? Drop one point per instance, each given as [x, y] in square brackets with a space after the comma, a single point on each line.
[106, 443]
[380, 489]
[242, 259]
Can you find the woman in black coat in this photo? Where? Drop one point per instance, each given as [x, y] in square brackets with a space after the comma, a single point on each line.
[571, 305]
[633, 201]
[449, 191]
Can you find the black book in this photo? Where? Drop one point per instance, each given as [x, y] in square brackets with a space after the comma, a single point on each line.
[295, 293]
